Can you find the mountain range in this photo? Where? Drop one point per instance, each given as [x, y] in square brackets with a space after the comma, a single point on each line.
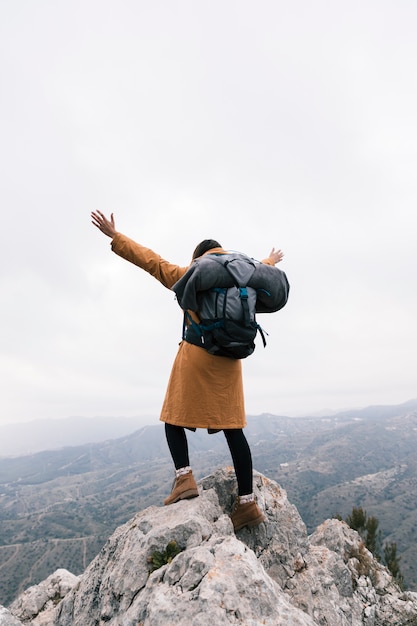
[58, 507]
[185, 565]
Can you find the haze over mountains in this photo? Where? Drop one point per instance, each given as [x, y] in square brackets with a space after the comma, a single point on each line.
[25, 438]
[58, 507]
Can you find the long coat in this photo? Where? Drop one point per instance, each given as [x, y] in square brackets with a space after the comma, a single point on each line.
[204, 390]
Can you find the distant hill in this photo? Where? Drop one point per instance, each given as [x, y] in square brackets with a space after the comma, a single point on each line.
[34, 436]
[58, 507]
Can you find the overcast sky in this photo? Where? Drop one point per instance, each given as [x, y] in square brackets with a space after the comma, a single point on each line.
[260, 124]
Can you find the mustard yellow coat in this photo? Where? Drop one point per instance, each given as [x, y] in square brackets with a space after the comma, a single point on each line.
[204, 391]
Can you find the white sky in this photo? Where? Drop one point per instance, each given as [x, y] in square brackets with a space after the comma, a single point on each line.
[267, 123]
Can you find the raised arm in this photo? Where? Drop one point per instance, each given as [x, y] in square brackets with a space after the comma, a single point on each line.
[145, 258]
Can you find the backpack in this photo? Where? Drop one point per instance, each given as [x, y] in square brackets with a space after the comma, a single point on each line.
[226, 291]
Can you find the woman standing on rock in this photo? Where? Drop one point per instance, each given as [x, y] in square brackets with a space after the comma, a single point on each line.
[204, 390]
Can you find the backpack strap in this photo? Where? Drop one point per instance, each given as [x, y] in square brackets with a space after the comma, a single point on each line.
[196, 336]
[243, 293]
[196, 327]
[262, 333]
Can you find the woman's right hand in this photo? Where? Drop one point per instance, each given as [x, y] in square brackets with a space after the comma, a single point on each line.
[106, 226]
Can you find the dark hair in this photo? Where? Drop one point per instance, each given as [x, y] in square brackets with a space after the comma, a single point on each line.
[204, 246]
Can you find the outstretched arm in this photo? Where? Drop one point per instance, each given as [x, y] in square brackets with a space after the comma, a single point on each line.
[106, 226]
[145, 258]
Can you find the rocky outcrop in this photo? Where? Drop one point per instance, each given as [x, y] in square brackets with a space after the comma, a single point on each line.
[36, 605]
[183, 565]
[7, 618]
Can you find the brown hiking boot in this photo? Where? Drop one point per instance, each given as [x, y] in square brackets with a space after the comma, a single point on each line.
[247, 514]
[184, 488]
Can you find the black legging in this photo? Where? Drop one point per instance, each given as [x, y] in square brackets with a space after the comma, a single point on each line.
[238, 446]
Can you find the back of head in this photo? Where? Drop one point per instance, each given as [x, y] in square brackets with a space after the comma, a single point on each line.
[205, 246]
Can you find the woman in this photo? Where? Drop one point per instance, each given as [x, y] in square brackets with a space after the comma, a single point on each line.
[204, 390]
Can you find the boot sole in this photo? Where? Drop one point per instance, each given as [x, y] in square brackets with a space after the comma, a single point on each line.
[186, 495]
[252, 523]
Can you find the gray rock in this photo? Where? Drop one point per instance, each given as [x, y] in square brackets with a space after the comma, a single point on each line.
[215, 579]
[271, 575]
[378, 598]
[7, 619]
[36, 605]
[282, 542]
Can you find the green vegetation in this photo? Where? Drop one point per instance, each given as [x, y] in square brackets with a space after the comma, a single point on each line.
[364, 563]
[392, 561]
[367, 527]
[158, 559]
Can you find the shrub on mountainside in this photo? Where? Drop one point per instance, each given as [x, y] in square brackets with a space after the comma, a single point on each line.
[367, 527]
[392, 561]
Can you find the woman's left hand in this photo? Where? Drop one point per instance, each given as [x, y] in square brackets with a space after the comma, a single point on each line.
[276, 255]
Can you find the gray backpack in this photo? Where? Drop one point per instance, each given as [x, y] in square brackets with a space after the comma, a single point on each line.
[226, 291]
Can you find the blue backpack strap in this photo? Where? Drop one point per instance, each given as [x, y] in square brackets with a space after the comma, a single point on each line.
[196, 327]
